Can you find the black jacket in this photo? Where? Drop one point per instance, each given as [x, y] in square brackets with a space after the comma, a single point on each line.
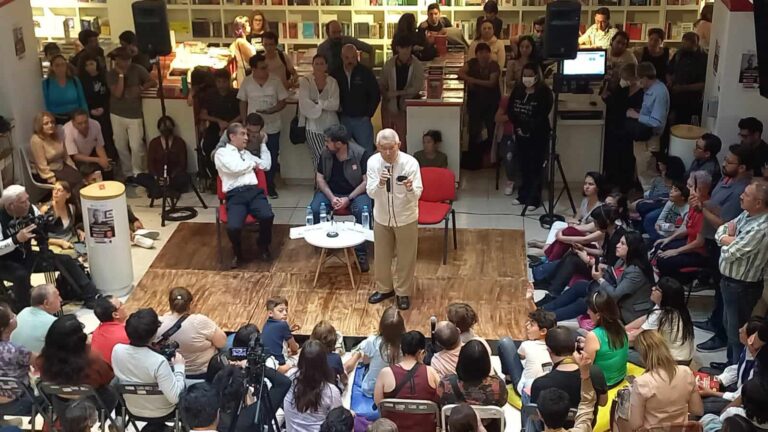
[530, 112]
[360, 94]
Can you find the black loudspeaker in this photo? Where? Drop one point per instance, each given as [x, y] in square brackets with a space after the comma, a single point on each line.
[561, 29]
[150, 19]
[761, 40]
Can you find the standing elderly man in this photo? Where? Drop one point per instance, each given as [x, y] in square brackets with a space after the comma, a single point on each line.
[743, 258]
[359, 97]
[34, 321]
[236, 167]
[394, 183]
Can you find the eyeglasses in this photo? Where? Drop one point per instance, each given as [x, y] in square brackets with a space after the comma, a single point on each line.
[744, 135]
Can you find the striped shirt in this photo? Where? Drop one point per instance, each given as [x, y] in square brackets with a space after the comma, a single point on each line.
[746, 257]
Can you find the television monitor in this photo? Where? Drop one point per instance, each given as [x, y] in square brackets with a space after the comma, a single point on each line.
[589, 64]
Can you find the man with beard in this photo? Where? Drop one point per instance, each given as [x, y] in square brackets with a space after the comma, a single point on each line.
[331, 47]
[750, 133]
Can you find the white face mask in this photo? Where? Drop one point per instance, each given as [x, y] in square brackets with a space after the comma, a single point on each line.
[529, 81]
[623, 83]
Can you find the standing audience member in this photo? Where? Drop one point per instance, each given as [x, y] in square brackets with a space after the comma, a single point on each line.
[313, 393]
[35, 320]
[528, 110]
[199, 338]
[490, 13]
[89, 39]
[599, 34]
[50, 161]
[166, 162]
[331, 47]
[481, 75]
[265, 95]
[618, 162]
[750, 134]
[394, 181]
[220, 108]
[359, 96]
[703, 26]
[655, 52]
[474, 381]
[341, 181]
[409, 378]
[524, 363]
[651, 119]
[278, 64]
[139, 363]
[14, 363]
[277, 334]
[486, 35]
[526, 53]
[240, 48]
[743, 258]
[111, 330]
[402, 78]
[130, 42]
[448, 337]
[318, 104]
[435, 25]
[618, 56]
[84, 143]
[258, 26]
[50, 50]
[126, 82]
[93, 77]
[607, 344]
[62, 90]
[705, 157]
[430, 154]
[685, 77]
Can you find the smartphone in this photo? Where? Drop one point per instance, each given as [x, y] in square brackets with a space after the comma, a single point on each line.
[401, 178]
[238, 354]
[432, 325]
[597, 264]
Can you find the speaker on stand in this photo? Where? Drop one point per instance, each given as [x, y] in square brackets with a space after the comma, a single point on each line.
[761, 41]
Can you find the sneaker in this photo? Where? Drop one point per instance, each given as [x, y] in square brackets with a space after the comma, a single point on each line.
[539, 244]
[516, 202]
[273, 195]
[143, 242]
[148, 233]
[704, 325]
[712, 344]
[509, 188]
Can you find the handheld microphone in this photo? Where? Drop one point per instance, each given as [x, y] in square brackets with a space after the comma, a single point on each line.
[389, 180]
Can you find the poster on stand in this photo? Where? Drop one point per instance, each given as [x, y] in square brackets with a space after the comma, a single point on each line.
[102, 224]
[748, 71]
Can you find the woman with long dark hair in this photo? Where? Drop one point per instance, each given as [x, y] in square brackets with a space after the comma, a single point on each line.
[607, 344]
[406, 27]
[670, 317]
[62, 232]
[526, 53]
[62, 91]
[313, 393]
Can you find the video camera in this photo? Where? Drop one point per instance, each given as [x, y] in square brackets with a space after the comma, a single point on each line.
[255, 356]
[42, 222]
[166, 348]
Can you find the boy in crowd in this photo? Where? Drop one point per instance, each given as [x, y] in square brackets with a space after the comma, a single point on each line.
[276, 333]
[527, 362]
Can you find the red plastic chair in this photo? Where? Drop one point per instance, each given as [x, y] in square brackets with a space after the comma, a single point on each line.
[221, 211]
[436, 202]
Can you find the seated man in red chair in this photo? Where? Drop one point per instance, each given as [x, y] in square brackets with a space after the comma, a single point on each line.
[236, 167]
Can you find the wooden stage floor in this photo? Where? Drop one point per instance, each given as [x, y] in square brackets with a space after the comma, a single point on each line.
[487, 271]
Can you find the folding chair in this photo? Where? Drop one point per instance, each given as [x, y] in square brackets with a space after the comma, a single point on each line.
[484, 411]
[14, 385]
[56, 396]
[221, 211]
[531, 411]
[436, 202]
[143, 390]
[29, 176]
[411, 406]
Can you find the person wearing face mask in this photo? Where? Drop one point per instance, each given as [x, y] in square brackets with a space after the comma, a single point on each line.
[528, 109]
[685, 78]
[167, 162]
[618, 164]
[599, 34]
[618, 56]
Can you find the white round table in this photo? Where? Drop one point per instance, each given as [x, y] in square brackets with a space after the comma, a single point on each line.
[346, 240]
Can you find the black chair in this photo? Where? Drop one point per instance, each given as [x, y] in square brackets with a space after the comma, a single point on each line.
[38, 406]
[57, 395]
[129, 418]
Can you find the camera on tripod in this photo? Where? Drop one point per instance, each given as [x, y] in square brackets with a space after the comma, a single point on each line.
[255, 356]
[166, 348]
[42, 222]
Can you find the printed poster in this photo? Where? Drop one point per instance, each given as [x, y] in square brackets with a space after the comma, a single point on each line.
[102, 224]
[18, 41]
[748, 71]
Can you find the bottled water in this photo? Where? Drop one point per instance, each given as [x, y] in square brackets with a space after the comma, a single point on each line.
[310, 217]
[323, 213]
[365, 218]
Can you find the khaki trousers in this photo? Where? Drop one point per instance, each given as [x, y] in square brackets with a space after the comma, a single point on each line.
[395, 246]
[645, 163]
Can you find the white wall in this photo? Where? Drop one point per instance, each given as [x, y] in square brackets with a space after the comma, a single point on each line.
[21, 95]
[735, 33]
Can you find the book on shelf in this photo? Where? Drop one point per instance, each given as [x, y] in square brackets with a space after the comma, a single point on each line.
[90, 23]
[636, 31]
[676, 30]
[645, 2]
[609, 2]
[682, 2]
[309, 30]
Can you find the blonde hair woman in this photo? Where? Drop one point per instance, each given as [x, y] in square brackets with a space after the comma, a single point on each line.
[49, 159]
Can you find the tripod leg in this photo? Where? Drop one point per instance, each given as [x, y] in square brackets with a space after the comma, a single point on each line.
[199, 197]
[165, 202]
[565, 183]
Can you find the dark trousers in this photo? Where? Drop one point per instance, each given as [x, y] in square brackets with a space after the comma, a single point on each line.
[477, 121]
[18, 273]
[244, 201]
[571, 303]
[716, 319]
[649, 225]
[177, 184]
[671, 266]
[273, 144]
[355, 207]
[531, 150]
[567, 267]
[739, 297]
[106, 131]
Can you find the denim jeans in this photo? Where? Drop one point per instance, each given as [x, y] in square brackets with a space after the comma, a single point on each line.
[571, 303]
[716, 319]
[273, 145]
[649, 225]
[510, 360]
[542, 271]
[355, 207]
[361, 130]
[739, 298]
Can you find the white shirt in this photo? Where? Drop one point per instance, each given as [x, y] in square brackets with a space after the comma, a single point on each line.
[76, 143]
[673, 334]
[318, 107]
[398, 207]
[236, 166]
[536, 354]
[261, 97]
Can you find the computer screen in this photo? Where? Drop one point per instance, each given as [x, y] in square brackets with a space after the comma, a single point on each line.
[589, 62]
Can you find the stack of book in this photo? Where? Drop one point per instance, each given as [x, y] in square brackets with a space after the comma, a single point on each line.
[435, 80]
[675, 31]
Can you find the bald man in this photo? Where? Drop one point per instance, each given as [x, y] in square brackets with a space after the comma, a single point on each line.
[359, 97]
[336, 39]
[33, 322]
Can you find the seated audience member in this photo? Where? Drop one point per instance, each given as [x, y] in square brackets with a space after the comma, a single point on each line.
[523, 364]
[313, 393]
[276, 332]
[381, 350]
[326, 334]
[140, 363]
[464, 317]
[670, 318]
[672, 215]
[463, 418]
[111, 330]
[750, 132]
[63, 231]
[607, 344]
[490, 13]
[220, 108]
[685, 247]
[686, 76]
[80, 416]
[231, 384]
[49, 159]
[601, 32]
[14, 363]
[235, 166]
[85, 145]
[670, 169]
[62, 90]
[751, 414]
[166, 162]
[199, 338]
[341, 180]
[35, 320]
[409, 378]
[705, 157]
[382, 425]
[67, 358]
[199, 407]
[448, 336]
[554, 404]
[481, 76]
[339, 419]
[474, 381]
[402, 78]
[665, 392]
[430, 155]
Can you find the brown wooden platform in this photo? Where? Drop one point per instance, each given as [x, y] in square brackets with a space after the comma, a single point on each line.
[486, 271]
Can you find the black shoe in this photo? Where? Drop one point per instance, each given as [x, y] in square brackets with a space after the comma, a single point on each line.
[131, 180]
[378, 297]
[712, 344]
[89, 303]
[546, 299]
[235, 263]
[704, 325]
[719, 365]
[362, 259]
[265, 255]
[274, 195]
[403, 302]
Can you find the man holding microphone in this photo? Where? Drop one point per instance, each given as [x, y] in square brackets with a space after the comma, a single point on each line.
[394, 183]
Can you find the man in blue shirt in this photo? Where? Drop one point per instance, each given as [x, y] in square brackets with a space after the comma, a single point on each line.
[653, 114]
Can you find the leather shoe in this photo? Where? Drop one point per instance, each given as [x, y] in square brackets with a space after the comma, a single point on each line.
[711, 345]
[235, 263]
[718, 365]
[704, 325]
[378, 297]
[403, 302]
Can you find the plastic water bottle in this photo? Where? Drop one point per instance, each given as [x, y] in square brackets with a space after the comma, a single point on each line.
[365, 218]
[323, 213]
[310, 216]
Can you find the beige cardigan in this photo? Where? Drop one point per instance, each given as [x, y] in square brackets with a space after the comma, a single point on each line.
[388, 81]
[49, 155]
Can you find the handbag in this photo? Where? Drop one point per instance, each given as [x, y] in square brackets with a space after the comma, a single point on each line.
[298, 130]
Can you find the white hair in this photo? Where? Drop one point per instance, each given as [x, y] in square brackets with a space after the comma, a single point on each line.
[702, 178]
[387, 136]
[11, 194]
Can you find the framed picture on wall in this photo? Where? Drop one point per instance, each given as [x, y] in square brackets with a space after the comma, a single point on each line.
[18, 41]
